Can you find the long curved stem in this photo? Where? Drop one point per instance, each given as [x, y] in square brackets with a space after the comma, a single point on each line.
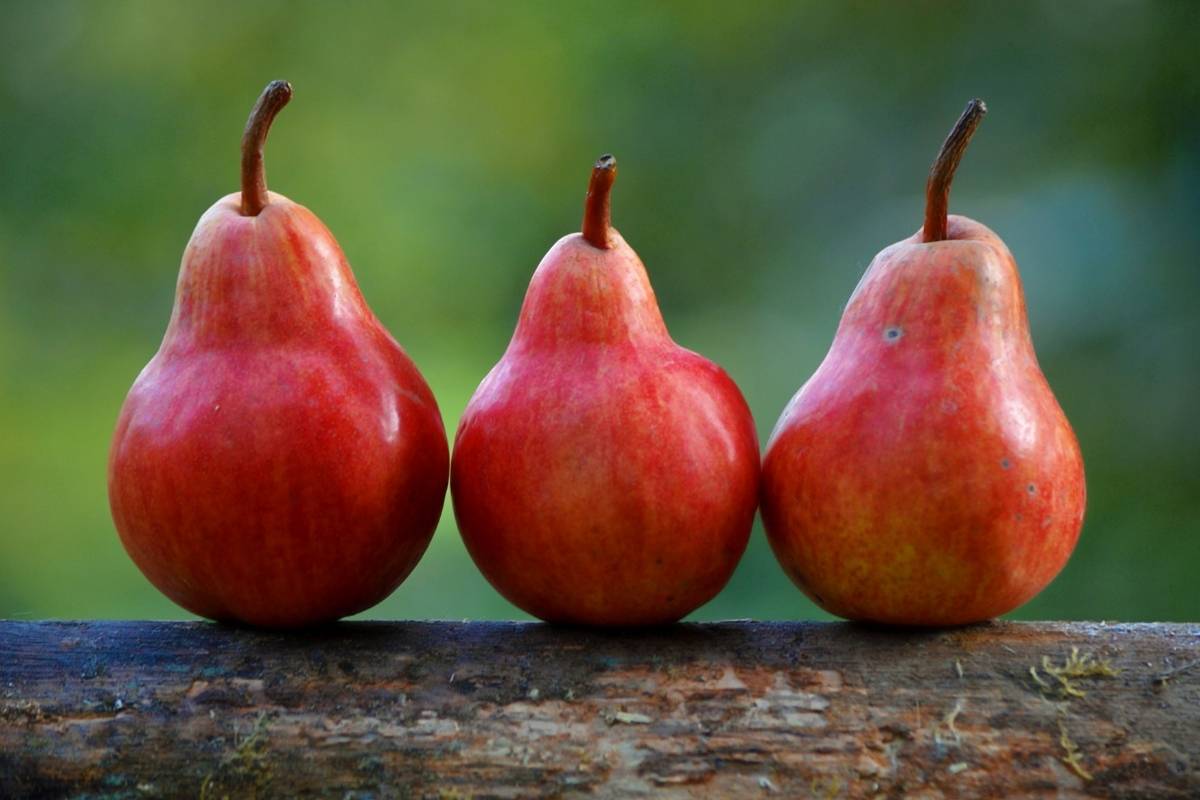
[254, 177]
[941, 174]
[597, 209]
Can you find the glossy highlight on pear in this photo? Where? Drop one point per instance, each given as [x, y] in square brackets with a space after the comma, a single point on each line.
[602, 474]
[925, 474]
[280, 461]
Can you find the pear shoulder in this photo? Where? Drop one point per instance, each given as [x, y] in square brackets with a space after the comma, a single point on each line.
[582, 294]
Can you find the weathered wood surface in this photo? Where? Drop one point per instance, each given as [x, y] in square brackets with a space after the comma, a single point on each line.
[139, 709]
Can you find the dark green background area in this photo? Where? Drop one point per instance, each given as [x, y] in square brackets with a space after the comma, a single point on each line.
[767, 150]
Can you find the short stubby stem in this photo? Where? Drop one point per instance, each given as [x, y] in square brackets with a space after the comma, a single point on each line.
[941, 174]
[254, 177]
[597, 209]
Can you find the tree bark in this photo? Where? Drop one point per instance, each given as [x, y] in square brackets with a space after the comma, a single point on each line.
[738, 709]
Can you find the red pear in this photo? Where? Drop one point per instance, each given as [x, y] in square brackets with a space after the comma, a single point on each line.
[602, 474]
[280, 461]
[925, 474]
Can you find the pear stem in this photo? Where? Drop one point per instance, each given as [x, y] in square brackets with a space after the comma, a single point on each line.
[941, 174]
[254, 177]
[597, 209]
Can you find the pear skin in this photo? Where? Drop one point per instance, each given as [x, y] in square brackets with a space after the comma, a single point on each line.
[602, 474]
[925, 474]
[280, 461]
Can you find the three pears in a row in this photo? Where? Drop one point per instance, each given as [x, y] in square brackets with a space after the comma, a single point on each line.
[281, 461]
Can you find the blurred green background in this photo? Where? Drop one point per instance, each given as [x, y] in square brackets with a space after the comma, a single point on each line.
[768, 151]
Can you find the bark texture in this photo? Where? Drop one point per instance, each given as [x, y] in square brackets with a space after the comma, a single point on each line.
[739, 709]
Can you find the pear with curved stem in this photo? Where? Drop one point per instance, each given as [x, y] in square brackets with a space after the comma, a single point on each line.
[925, 474]
[602, 474]
[280, 461]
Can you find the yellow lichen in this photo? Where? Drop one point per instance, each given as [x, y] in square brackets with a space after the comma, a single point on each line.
[948, 723]
[246, 767]
[1073, 754]
[1038, 679]
[1073, 668]
[826, 788]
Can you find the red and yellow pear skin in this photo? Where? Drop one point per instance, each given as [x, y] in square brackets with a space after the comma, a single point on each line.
[925, 474]
[280, 461]
[602, 474]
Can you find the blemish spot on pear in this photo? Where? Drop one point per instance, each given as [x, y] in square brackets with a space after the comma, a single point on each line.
[1032, 489]
[1005, 464]
[892, 333]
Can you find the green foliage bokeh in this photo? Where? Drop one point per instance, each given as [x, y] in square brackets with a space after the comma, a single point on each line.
[768, 151]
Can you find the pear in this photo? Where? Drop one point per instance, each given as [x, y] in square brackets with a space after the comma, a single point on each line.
[602, 474]
[280, 461]
[925, 474]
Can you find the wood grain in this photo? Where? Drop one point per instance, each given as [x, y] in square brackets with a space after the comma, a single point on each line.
[739, 709]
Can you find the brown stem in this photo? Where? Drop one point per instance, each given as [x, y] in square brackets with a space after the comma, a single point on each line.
[941, 174]
[597, 209]
[254, 178]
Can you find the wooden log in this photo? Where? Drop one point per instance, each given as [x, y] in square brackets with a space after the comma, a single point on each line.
[739, 709]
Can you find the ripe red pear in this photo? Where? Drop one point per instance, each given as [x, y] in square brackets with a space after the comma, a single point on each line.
[925, 474]
[602, 474]
[280, 461]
